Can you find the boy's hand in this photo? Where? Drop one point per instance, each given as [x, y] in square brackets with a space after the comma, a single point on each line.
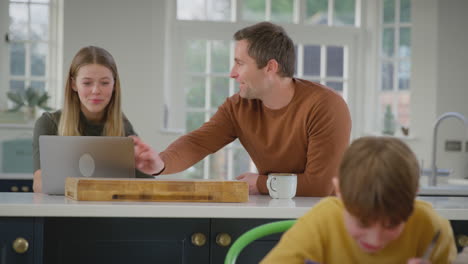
[418, 261]
[146, 159]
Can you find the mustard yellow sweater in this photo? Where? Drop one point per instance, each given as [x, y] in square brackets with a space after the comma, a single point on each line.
[307, 137]
[320, 235]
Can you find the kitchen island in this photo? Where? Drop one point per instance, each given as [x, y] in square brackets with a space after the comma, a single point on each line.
[60, 230]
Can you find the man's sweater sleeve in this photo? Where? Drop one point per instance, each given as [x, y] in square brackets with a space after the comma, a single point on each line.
[194, 146]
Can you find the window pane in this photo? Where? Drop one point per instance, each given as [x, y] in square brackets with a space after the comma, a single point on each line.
[218, 165]
[215, 10]
[405, 11]
[312, 60]
[194, 120]
[388, 41]
[282, 10]
[404, 70]
[219, 91]
[190, 9]
[220, 56]
[196, 56]
[39, 22]
[337, 86]
[218, 10]
[404, 99]
[241, 161]
[17, 86]
[39, 32]
[39, 14]
[195, 92]
[316, 12]
[17, 58]
[38, 59]
[39, 1]
[405, 42]
[389, 11]
[387, 76]
[344, 12]
[253, 10]
[38, 86]
[195, 172]
[18, 21]
[335, 61]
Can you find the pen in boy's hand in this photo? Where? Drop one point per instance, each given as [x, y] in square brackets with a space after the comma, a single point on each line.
[308, 261]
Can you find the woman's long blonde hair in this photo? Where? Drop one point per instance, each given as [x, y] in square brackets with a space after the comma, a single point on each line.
[70, 124]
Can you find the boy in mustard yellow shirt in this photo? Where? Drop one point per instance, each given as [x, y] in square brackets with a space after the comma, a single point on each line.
[374, 218]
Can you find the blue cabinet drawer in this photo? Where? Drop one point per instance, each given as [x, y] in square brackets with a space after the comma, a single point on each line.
[16, 185]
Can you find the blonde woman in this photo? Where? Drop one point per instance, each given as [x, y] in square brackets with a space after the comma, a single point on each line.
[91, 104]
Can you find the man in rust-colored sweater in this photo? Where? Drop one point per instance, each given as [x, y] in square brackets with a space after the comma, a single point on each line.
[287, 125]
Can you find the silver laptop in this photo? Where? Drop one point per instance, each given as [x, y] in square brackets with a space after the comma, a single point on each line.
[83, 156]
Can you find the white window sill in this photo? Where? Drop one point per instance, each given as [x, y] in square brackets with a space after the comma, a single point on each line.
[17, 126]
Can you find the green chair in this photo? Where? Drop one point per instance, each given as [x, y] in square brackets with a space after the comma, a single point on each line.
[254, 234]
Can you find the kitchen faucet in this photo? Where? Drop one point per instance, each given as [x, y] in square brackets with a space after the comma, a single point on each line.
[433, 176]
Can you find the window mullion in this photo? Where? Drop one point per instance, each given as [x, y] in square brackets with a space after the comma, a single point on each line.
[235, 14]
[268, 10]
[28, 49]
[297, 14]
[323, 63]
[208, 77]
[396, 63]
[331, 4]
[300, 60]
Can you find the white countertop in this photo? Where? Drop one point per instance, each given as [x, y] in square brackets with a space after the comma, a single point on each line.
[259, 206]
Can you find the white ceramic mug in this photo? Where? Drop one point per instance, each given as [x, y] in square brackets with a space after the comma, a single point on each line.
[282, 185]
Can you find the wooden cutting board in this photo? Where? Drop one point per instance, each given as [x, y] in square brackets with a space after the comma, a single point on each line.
[151, 190]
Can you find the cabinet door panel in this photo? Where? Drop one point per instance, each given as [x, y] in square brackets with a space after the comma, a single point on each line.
[254, 252]
[124, 240]
[20, 229]
[460, 232]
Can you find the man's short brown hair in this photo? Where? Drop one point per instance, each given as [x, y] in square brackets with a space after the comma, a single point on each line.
[269, 41]
[379, 179]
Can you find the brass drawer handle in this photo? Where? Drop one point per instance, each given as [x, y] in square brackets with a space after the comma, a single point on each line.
[14, 188]
[223, 239]
[462, 240]
[198, 239]
[20, 245]
[25, 188]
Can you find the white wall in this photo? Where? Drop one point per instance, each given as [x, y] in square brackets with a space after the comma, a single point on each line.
[439, 70]
[132, 31]
[452, 88]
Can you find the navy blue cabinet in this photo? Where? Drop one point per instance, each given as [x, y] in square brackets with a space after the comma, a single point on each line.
[134, 240]
[140, 240]
[126, 240]
[17, 243]
[11, 185]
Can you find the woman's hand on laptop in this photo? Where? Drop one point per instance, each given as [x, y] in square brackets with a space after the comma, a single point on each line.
[147, 160]
[37, 181]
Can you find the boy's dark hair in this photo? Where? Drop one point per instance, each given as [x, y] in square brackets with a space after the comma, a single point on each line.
[379, 179]
[269, 41]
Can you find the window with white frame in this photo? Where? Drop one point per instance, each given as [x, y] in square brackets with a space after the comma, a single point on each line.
[324, 32]
[29, 46]
[395, 61]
